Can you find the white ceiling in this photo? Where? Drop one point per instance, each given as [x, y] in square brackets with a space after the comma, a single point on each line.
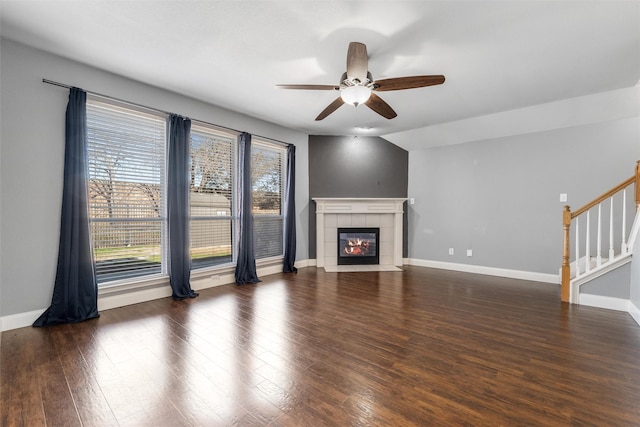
[503, 61]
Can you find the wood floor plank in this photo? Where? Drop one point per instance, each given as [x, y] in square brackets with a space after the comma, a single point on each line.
[93, 409]
[58, 403]
[419, 347]
[21, 397]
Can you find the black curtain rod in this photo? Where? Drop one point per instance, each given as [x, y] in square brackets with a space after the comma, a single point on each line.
[51, 82]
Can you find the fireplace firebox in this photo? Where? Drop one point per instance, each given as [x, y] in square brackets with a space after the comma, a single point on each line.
[358, 246]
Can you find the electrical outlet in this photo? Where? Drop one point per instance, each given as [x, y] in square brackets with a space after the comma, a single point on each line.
[563, 197]
[450, 251]
[469, 252]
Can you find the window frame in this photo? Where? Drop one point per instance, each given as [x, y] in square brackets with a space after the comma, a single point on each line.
[207, 129]
[282, 152]
[136, 113]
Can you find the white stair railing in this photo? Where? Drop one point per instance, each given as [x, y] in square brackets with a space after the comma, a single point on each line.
[585, 264]
[581, 266]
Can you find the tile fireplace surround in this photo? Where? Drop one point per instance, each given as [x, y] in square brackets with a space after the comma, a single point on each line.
[385, 213]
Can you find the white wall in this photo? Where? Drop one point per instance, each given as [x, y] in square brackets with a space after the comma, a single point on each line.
[500, 197]
[32, 153]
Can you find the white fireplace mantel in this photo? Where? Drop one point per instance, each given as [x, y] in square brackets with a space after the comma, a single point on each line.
[385, 213]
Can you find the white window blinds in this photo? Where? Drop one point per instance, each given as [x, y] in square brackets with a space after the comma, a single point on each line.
[268, 164]
[126, 158]
[212, 197]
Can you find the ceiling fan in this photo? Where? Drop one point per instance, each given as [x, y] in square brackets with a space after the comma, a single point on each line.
[357, 85]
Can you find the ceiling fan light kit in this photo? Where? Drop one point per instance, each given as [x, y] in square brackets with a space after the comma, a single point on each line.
[357, 85]
[355, 95]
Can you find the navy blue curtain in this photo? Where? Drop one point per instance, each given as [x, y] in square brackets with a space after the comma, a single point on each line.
[246, 264]
[290, 213]
[178, 207]
[75, 292]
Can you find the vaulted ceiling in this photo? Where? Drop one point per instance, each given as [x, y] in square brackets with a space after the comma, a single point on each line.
[504, 62]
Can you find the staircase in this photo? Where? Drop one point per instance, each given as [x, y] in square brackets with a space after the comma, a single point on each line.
[601, 222]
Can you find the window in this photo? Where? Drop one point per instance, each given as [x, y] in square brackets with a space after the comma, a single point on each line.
[268, 164]
[126, 159]
[127, 192]
[211, 200]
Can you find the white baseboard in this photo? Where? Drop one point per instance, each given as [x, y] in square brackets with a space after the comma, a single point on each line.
[490, 271]
[634, 312]
[20, 320]
[600, 301]
[305, 263]
[108, 302]
[115, 299]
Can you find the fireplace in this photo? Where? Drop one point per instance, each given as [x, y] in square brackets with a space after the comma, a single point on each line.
[384, 213]
[358, 246]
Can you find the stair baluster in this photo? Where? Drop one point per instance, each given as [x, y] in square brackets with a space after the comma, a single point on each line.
[599, 242]
[612, 252]
[623, 245]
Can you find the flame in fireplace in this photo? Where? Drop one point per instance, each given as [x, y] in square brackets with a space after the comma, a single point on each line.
[357, 247]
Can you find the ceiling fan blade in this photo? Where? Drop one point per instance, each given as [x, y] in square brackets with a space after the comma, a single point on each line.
[309, 87]
[357, 62]
[378, 105]
[330, 109]
[411, 82]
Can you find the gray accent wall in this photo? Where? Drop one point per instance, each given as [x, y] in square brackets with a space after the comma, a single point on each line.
[32, 156]
[500, 197]
[344, 166]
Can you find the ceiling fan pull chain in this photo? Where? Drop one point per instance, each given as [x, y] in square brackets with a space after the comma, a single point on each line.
[356, 129]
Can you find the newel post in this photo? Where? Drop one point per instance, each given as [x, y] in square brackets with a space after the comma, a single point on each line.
[565, 291]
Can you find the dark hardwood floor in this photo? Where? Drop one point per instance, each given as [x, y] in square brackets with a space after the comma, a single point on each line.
[422, 347]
